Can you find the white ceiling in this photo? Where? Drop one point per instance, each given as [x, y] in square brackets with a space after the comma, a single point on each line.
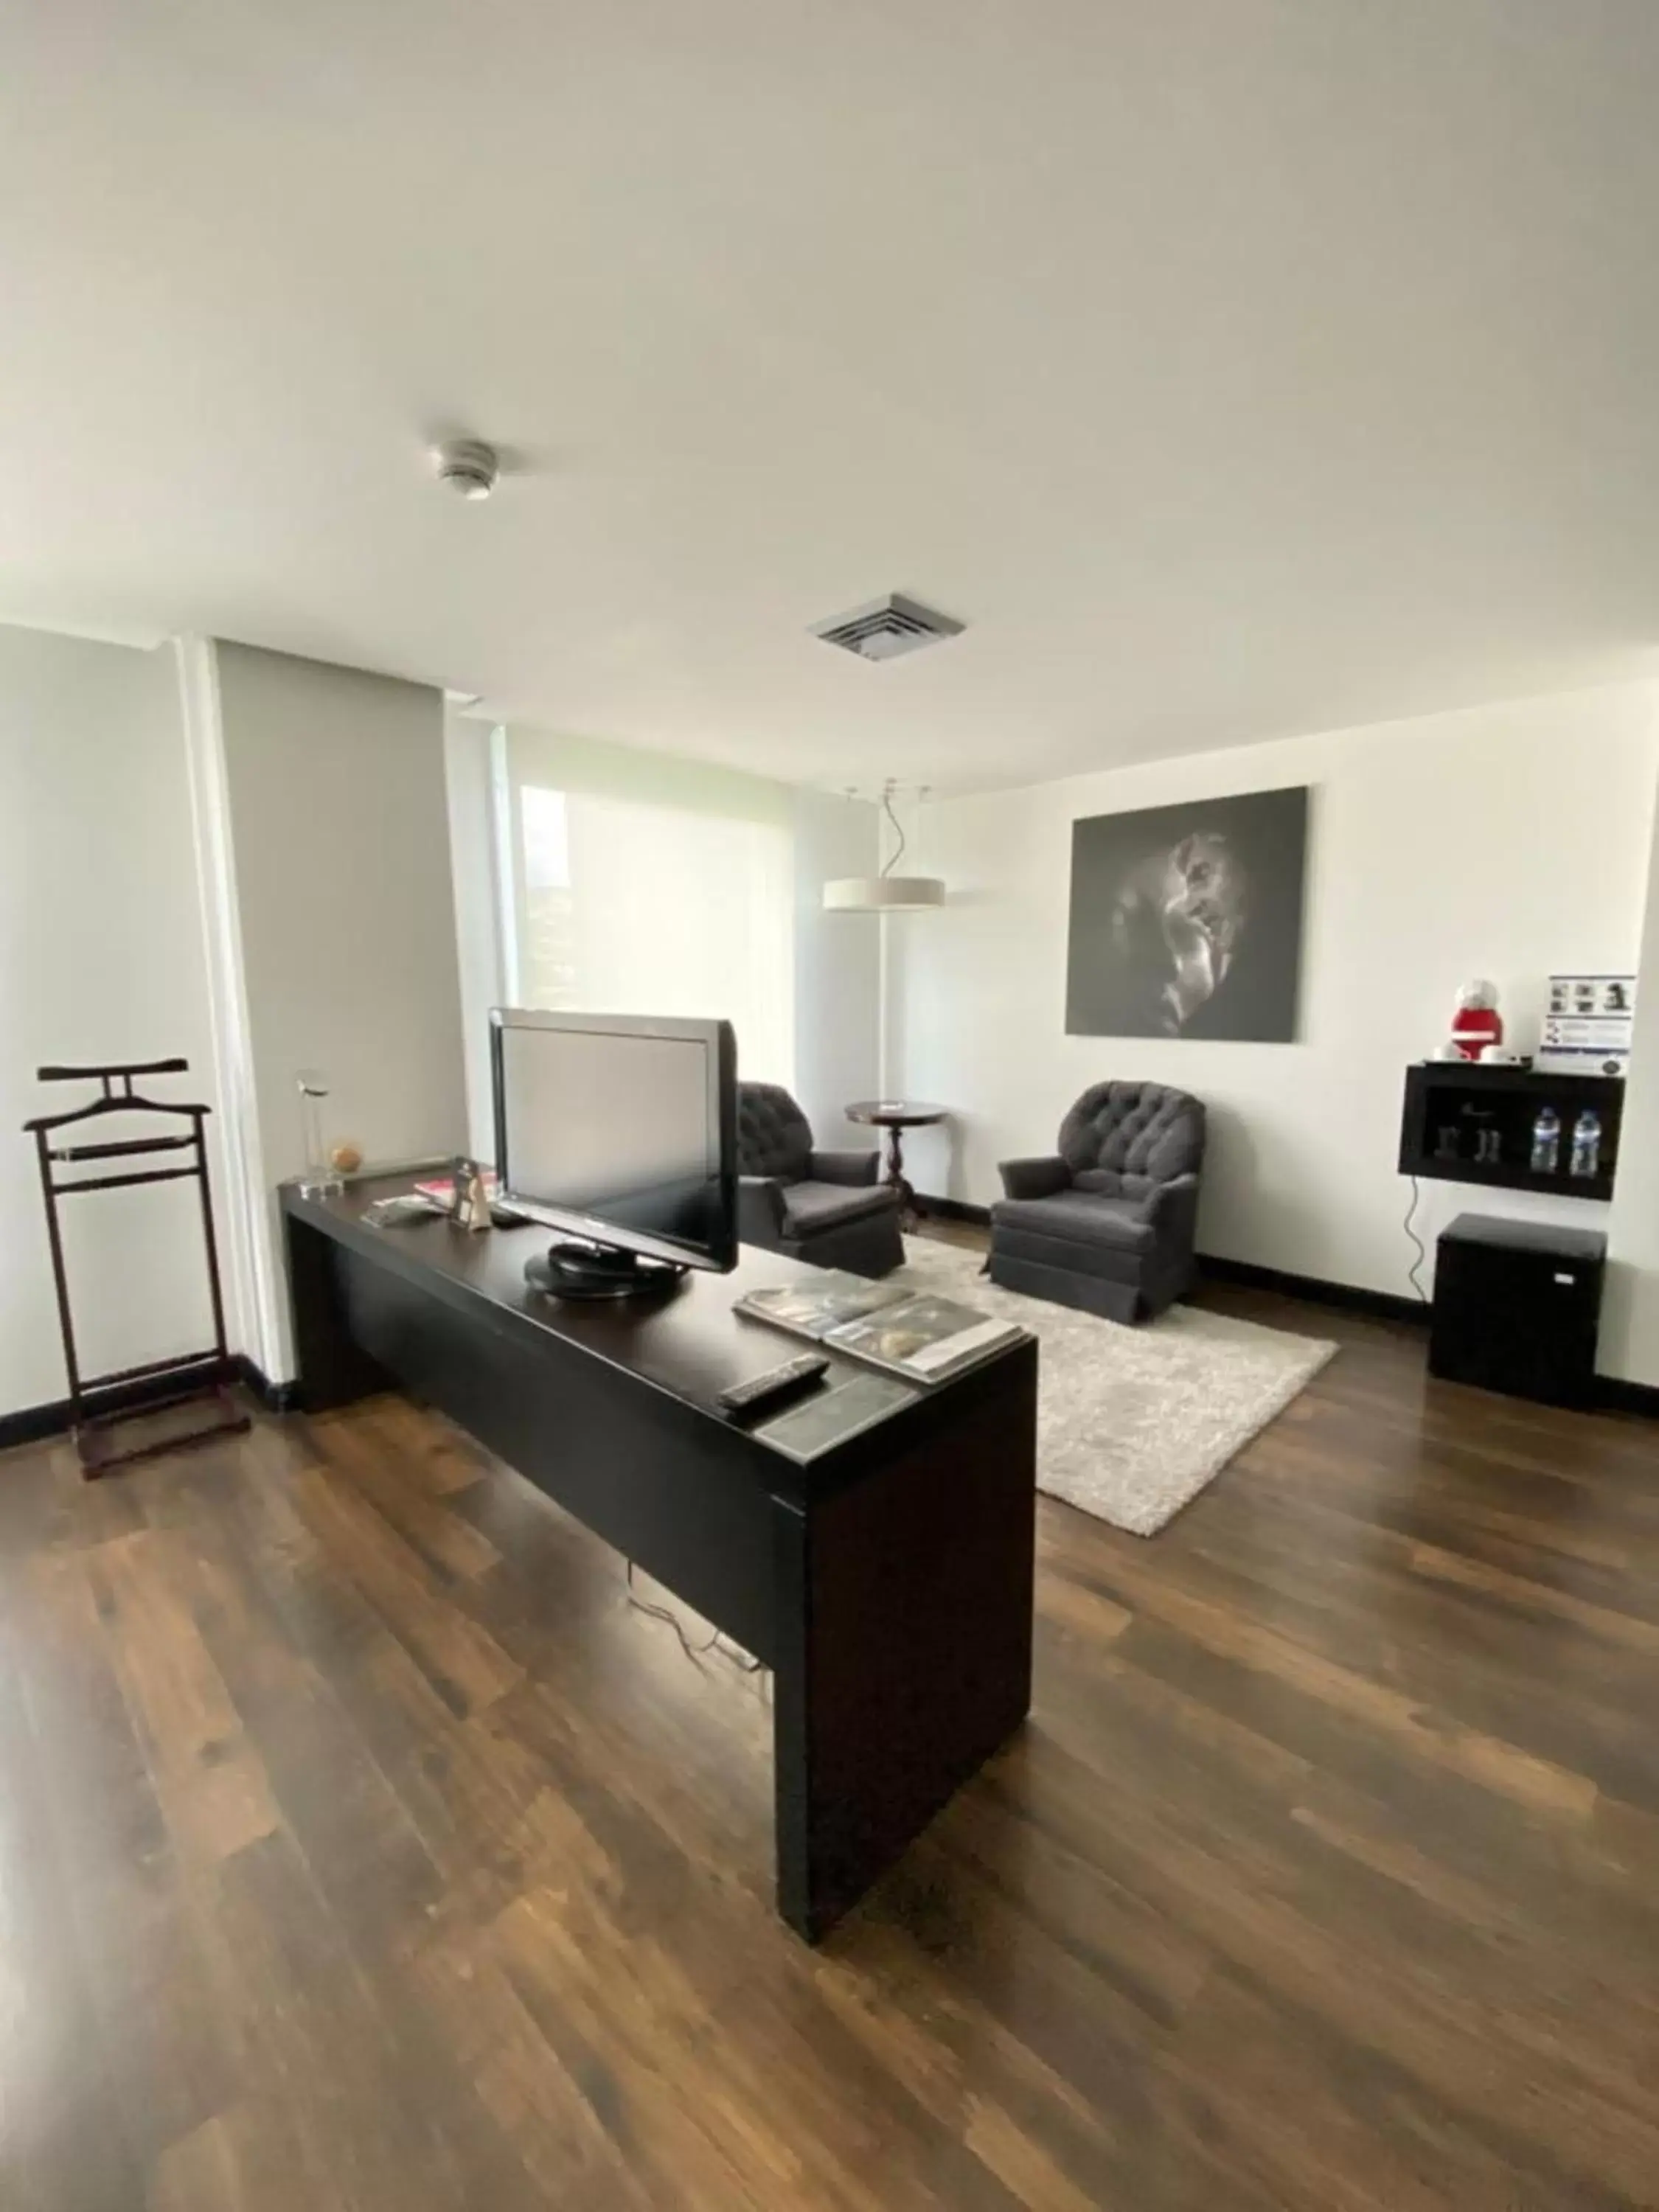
[1231, 367]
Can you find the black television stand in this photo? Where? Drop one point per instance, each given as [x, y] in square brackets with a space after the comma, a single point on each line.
[571, 1270]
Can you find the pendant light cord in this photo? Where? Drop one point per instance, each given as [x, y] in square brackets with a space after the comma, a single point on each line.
[898, 829]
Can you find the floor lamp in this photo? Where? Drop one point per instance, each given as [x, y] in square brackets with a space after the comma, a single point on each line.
[882, 895]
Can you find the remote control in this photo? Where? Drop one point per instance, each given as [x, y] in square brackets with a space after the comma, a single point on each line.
[766, 1390]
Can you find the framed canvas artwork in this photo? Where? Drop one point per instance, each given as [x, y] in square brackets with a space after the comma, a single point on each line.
[1186, 920]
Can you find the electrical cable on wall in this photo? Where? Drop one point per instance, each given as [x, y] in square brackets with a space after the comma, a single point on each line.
[1413, 1272]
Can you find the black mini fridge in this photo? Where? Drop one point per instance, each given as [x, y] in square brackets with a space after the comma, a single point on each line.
[1517, 1307]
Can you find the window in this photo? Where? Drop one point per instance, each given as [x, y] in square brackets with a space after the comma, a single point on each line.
[624, 906]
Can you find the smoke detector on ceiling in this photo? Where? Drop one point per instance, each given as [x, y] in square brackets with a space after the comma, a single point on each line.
[467, 465]
[887, 627]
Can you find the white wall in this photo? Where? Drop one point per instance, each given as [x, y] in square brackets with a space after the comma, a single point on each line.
[836, 982]
[101, 959]
[1630, 1323]
[335, 785]
[1505, 842]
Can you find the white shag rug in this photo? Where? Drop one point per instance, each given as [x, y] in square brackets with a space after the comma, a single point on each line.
[1132, 1422]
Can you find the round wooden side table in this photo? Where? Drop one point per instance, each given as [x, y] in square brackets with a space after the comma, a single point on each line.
[896, 1115]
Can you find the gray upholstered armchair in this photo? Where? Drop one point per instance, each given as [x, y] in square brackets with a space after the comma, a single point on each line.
[1107, 1222]
[824, 1207]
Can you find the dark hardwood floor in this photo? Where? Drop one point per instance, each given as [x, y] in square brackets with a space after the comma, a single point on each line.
[361, 1846]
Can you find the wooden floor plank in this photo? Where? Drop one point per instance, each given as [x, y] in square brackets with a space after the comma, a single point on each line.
[371, 1454]
[363, 1844]
[128, 1888]
[466, 1665]
[64, 2145]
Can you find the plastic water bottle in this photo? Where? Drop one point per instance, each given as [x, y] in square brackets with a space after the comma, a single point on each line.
[1546, 1141]
[1585, 1158]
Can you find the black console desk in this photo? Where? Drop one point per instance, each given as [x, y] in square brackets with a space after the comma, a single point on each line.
[887, 1581]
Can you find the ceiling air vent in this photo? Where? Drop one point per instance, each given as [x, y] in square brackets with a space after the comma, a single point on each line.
[887, 627]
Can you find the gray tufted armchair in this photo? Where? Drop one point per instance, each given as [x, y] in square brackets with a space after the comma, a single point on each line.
[824, 1207]
[1108, 1222]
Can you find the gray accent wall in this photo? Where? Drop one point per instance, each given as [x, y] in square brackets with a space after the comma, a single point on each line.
[334, 786]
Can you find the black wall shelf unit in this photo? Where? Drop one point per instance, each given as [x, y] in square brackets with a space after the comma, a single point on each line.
[1447, 1102]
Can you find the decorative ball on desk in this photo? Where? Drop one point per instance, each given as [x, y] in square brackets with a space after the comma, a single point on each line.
[346, 1159]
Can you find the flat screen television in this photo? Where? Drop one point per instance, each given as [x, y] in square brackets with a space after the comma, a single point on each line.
[620, 1130]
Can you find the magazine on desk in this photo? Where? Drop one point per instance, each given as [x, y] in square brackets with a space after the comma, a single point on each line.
[912, 1333]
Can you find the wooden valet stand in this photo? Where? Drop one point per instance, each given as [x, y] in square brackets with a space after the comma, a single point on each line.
[201, 1376]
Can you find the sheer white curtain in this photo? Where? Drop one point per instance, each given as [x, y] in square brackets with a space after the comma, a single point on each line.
[626, 906]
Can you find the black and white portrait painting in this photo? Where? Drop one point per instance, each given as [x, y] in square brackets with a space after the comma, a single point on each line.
[1187, 919]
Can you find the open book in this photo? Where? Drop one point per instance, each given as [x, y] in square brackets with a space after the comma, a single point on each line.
[924, 1338]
